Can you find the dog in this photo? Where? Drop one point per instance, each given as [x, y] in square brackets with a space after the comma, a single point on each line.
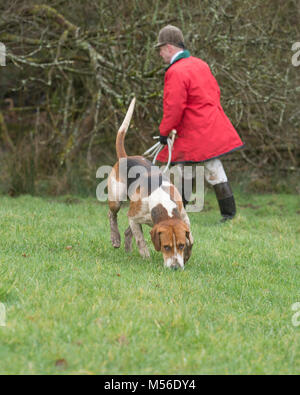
[154, 201]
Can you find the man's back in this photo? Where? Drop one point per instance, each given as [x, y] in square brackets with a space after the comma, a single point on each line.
[202, 98]
[192, 106]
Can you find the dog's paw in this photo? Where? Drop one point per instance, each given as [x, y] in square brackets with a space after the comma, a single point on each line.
[115, 240]
[145, 253]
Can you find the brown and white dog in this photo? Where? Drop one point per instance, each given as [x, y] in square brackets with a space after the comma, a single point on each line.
[153, 201]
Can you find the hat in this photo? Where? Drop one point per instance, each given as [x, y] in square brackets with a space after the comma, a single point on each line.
[170, 35]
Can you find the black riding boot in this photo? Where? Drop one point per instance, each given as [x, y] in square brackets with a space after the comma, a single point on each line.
[226, 200]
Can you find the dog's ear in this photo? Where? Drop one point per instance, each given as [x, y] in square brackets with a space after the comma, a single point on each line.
[189, 245]
[155, 237]
[188, 233]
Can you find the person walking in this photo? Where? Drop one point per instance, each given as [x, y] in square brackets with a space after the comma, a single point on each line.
[191, 106]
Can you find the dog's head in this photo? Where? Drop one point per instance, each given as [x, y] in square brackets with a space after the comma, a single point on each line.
[172, 238]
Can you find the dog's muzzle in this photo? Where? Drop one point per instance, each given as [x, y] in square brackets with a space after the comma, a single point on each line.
[175, 263]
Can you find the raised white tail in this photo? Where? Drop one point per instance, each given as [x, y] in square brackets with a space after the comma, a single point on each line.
[120, 148]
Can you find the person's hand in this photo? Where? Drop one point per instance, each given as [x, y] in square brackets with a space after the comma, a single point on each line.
[163, 139]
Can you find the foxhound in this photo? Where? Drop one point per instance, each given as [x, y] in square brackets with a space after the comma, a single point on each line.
[154, 201]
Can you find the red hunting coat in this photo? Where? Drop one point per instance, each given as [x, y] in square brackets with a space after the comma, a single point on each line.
[191, 105]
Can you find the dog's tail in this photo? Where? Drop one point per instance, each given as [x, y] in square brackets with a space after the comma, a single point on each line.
[121, 153]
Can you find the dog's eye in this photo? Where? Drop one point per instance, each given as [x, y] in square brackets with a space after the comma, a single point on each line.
[181, 246]
[167, 248]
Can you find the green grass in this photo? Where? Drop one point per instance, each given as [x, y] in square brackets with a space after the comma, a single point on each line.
[90, 309]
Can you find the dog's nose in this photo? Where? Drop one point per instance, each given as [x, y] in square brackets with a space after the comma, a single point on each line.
[175, 265]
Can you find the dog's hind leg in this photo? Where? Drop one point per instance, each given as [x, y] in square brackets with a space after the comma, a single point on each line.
[115, 236]
[128, 239]
[116, 194]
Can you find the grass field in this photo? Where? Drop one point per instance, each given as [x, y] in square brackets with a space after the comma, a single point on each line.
[75, 305]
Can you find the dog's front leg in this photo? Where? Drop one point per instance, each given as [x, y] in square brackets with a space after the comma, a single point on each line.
[139, 238]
